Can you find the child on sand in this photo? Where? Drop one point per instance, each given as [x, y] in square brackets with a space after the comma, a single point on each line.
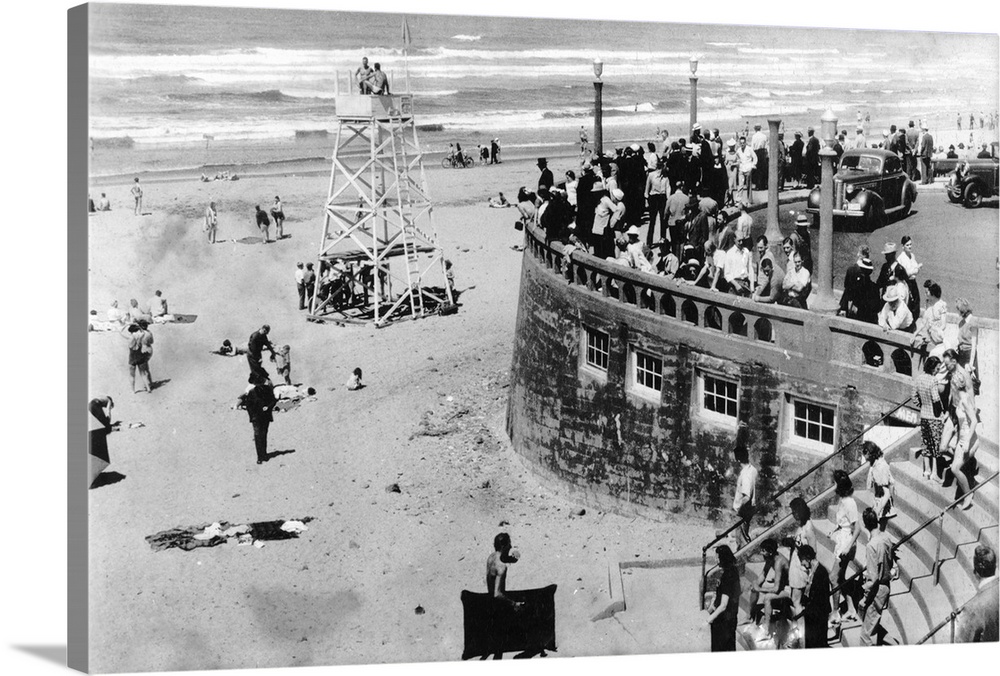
[449, 275]
[354, 382]
[227, 349]
[283, 363]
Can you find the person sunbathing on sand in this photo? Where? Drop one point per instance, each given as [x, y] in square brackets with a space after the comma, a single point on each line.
[228, 350]
[499, 202]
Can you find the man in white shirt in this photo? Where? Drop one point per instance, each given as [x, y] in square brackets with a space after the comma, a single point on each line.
[895, 316]
[745, 499]
[796, 285]
[747, 162]
[736, 272]
[300, 285]
[636, 258]
[157, 305]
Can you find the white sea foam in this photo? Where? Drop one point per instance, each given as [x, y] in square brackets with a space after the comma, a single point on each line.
[467, 38]
[782, 51]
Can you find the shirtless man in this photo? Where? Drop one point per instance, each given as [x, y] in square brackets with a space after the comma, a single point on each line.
[496, 578]
[361, 75]
[211, 222]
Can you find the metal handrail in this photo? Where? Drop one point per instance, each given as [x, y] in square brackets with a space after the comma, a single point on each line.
[909, 536]
[785, 489]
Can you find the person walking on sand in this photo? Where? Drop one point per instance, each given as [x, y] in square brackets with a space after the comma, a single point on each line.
[584, 141]
[138, 360]
[211, 222]
[264, 224]
[137, 196]
[278, 214]
[258, 401]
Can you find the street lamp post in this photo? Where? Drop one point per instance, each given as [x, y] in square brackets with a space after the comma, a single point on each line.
[598, 108]
[823, 278]
[694, 91]
[773, 232]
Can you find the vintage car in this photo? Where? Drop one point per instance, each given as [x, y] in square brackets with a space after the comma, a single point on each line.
[975, 180]
[869, 186]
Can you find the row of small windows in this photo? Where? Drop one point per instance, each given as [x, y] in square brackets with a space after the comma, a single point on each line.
[717, 396]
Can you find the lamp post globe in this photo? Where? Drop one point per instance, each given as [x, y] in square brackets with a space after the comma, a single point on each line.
[598, 68]
[693, 62]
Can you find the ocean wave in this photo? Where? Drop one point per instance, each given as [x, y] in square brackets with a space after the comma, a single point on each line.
[783, 51]
[164, 79]
[727, 44]
[268, 96]
[803, 93]
[467, 38]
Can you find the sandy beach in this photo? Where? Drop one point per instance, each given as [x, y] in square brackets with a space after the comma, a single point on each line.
[429, 420]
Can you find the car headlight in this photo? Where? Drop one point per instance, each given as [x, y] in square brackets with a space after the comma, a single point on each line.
[850, 189]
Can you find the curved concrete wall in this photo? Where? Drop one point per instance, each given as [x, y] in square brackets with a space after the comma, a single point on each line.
[621, 447]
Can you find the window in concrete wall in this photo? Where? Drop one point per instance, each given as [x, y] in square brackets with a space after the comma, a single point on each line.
[811, 425]
[718, 398]
[646, 375]
[597, 345]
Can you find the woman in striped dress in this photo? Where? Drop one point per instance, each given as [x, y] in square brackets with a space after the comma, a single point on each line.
[927, 387]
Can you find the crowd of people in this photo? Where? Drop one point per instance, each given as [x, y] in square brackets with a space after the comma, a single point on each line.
[692, 236]
[797, 600]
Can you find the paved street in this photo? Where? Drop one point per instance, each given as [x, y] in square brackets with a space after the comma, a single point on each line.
[957, 246]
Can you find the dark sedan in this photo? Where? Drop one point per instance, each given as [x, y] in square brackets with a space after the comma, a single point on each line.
[975, 180]
[869, 186]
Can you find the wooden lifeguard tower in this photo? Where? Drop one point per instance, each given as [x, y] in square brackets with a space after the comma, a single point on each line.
[378, 250]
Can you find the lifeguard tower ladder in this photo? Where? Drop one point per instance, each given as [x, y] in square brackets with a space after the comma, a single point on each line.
[378, 247]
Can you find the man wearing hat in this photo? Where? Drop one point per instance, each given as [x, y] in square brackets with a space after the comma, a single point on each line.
[586, 201]
[913, 143]
[895, 315]
[636, 256]
[811, 158]
[795, 159]
[861, 296]
[259, 401]
[732, 163]
[545, 177]
[758, 143]
[706, 158]
[886, 275]
[925, 153]
[802, 224]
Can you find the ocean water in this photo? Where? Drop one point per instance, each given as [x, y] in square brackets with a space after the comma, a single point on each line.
[168, 76]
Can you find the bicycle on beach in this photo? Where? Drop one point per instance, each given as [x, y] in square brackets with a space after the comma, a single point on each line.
[457, 161]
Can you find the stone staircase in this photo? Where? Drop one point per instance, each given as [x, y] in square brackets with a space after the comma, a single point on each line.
[919, 599]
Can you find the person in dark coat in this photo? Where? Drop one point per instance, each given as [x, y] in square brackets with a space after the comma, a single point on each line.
[861, 299]
[255, 351]
[632, 177]
[586, 202]
[795, 159]
[886, 274]
[815, 599]
[258, 401]
[722, 615]
[811, 157]
[545, 177]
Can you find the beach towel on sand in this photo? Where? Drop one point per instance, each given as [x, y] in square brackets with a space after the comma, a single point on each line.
[492, 627]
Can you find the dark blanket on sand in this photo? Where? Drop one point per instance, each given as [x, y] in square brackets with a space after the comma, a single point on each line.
[494, 627]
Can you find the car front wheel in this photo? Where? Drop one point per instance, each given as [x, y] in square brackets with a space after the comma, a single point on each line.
[973, 197]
